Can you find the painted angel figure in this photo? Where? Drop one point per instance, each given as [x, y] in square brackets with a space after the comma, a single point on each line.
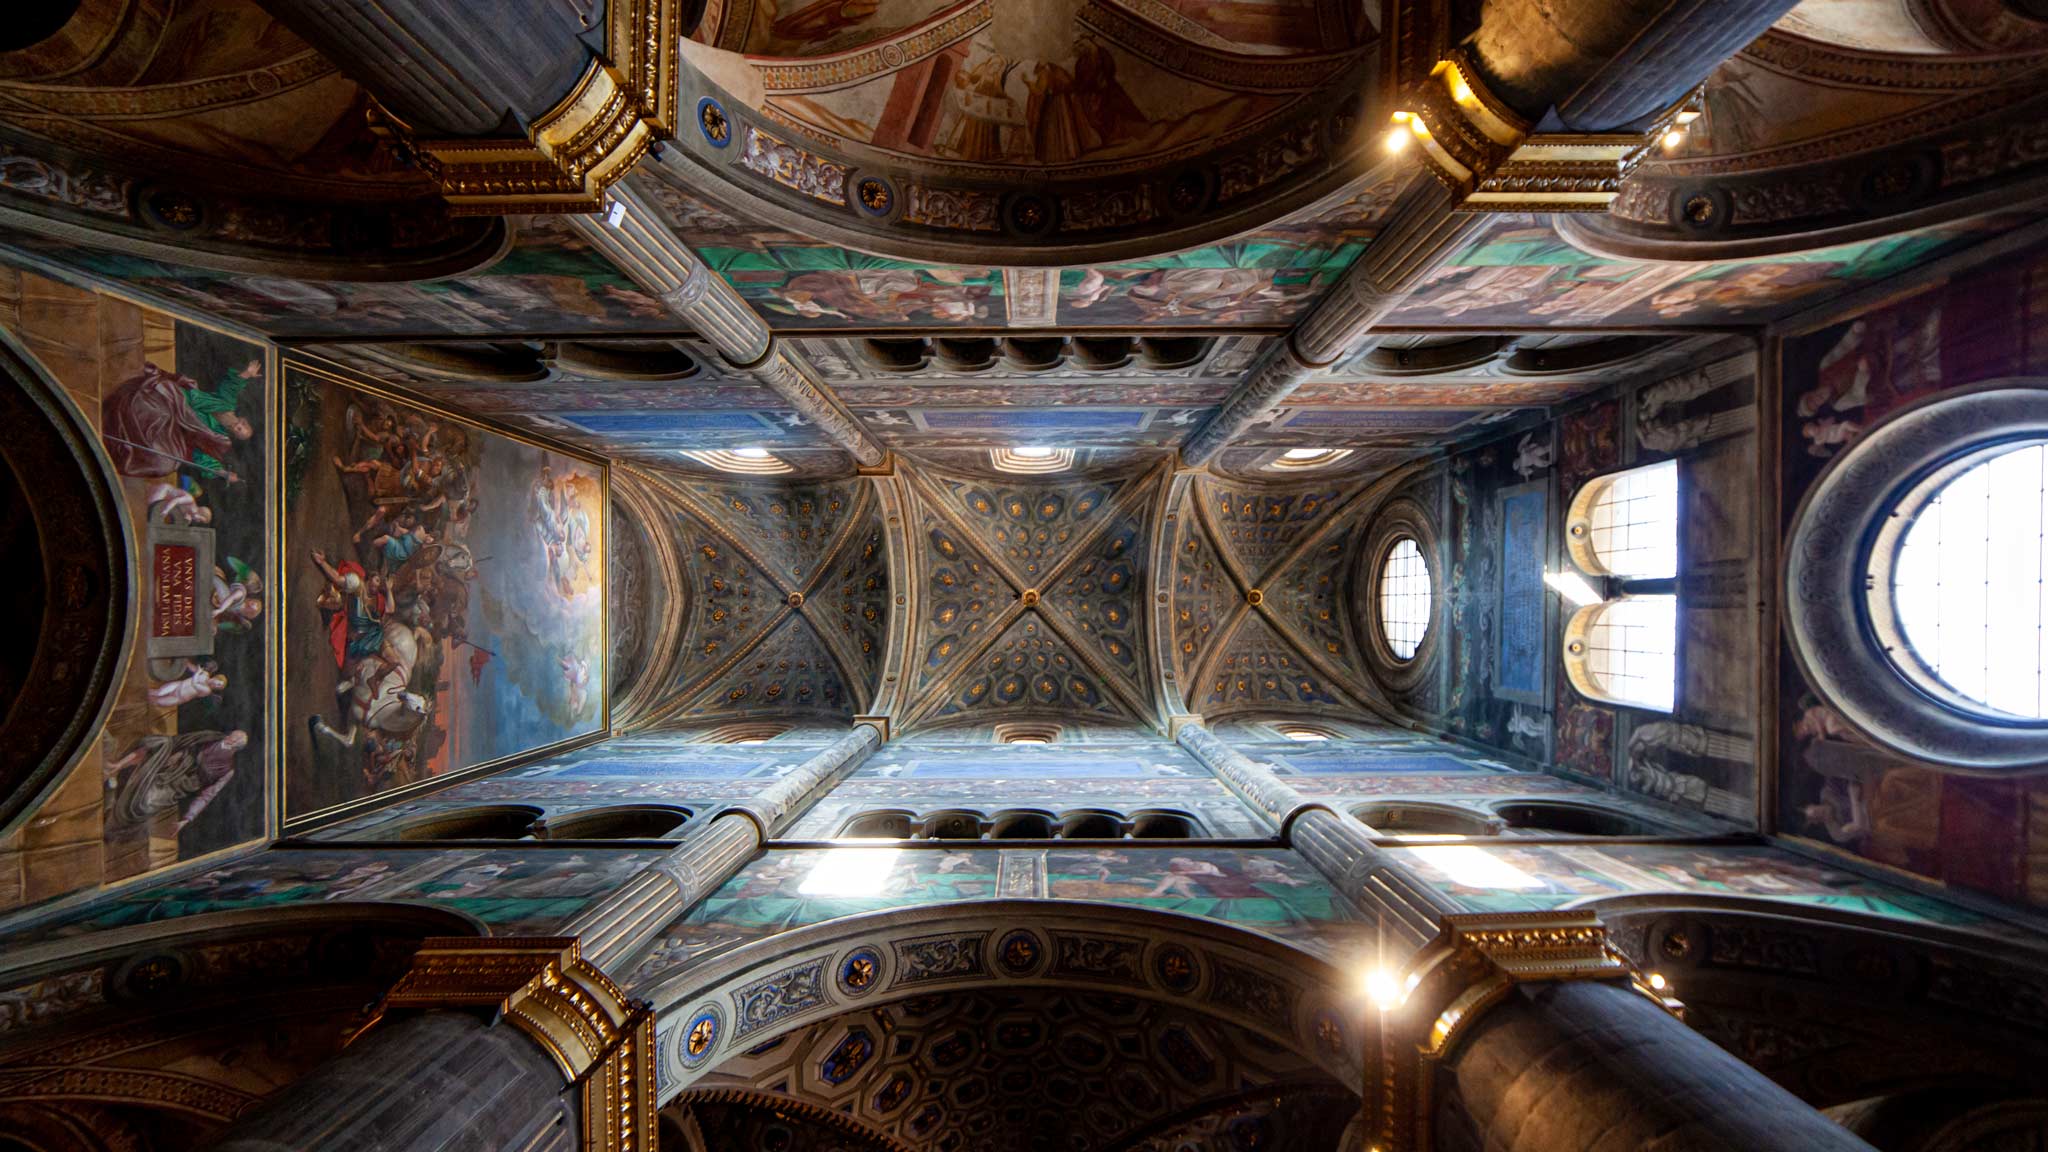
[176, 504]
[237, 596]
[196, 683]
[576, 674]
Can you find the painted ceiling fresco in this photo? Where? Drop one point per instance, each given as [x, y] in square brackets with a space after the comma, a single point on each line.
[983, 88]
[1032, 597]
[1518, 270]
[789, 601]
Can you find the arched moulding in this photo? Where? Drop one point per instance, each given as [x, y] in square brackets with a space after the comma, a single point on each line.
[1433, 355]
[1840, 1006]
[72, 603]
[754, 994]
[1835, 532]
[494, 362]
[479, 822]
[329, 242]
[1315, 133]
[1573, 818]
[616, 822]
[1401, 818]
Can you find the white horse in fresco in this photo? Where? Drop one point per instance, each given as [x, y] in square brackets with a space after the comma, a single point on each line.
[375, 694]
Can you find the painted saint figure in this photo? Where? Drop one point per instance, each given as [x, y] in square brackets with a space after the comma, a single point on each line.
[158, 421]
[164, 775]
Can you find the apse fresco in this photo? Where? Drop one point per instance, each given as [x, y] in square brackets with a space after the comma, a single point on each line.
[550, 281]
[513, 892]
[186, 417]
[1272, 891]
[1982, 834]
[446, 605]
[1537, 878]
[1519, 270]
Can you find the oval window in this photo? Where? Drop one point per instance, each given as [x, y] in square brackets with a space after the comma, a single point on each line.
[1958, 596]
[1405, 595]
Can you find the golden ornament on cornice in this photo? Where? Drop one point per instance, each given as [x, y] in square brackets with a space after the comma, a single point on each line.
[624, 102]
[572, 1010]
[1486, 154]
[1471, 965]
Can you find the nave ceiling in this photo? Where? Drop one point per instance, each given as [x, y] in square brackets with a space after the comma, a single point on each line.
[959, 229]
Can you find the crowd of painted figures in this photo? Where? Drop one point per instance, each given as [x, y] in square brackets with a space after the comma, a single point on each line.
[185, 448]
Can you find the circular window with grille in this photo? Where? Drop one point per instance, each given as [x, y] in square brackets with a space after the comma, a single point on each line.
[1405, 598]
[1955, 589]
[1913, 580]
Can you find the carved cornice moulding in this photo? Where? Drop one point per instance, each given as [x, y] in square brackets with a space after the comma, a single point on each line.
[1490, 158]
[625, 101]
[544, 986]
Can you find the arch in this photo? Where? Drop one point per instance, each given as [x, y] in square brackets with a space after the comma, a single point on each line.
[1572, 818]
[1839, 1005]
[616, 822]
[1021, 824]
[73, 594]
[1405, 817]
[1626, 523]
[754, 994]
[1625, 652]
[482, 822]
[180, 1026]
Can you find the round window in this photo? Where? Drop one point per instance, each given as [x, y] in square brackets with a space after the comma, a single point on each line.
[1956, 593]
[1405, 596]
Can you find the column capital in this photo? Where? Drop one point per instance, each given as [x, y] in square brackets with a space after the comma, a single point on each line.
[573, 1011]
[1475, 960]
[624, 102]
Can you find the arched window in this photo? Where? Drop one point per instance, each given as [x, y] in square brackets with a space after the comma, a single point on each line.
[1405, 596]
[1626, 523]
[1622, 529]
[1625, 651]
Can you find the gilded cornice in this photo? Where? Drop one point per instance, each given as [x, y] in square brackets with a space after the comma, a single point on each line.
[546, 989]
[624, 102]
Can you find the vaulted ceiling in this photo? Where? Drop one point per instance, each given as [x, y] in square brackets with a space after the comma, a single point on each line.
[850, 253]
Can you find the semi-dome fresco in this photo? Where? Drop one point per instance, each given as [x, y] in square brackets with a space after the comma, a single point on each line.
[1081, 575]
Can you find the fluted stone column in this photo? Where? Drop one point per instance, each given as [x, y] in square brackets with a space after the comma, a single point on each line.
[1591, 1066]
[655, 258]
[445, 1081]
[615, 929]
[449, 1081]
[1336, 845]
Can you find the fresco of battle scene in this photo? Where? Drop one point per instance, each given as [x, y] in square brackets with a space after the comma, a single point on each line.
[446, 605]
[1983, 834]
[185, 415]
